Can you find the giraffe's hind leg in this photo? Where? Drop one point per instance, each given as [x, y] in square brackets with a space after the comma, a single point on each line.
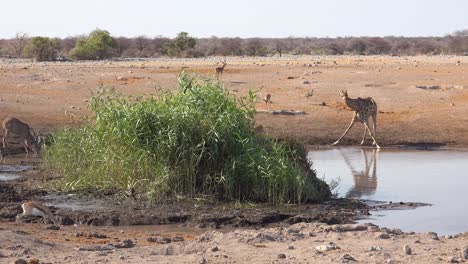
[374, 125]
[372, 136]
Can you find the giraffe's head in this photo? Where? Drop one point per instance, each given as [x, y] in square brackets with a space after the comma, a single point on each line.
[344, 94]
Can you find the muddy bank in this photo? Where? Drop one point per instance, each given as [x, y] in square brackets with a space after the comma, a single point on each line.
[106, 210]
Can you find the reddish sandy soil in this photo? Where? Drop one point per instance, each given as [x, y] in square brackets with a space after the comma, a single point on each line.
[51, 95]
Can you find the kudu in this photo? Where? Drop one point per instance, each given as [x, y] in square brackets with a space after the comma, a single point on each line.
[12, 125]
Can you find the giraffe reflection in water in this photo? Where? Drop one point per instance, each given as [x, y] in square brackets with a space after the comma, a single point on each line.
[365, 181]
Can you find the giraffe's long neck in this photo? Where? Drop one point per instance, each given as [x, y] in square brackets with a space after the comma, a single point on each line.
[352, 103]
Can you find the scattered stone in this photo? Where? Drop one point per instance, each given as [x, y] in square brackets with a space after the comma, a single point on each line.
[323, 104]
[291, 77]
[281, 256]
[121, 257]
[375, 248]
[97, 235]
[20, 261]
[96, 248]
[465, 253]
[383, 236]
[347, 258]
[202, 260]
[177, 239]
[33, 261]
[305, 82]
[291, 247]
[214, 249]
[53, 227]
[454, 260]
[128, 243]
[390, 261]
[323, 248]
[417, 241]
[407, 250]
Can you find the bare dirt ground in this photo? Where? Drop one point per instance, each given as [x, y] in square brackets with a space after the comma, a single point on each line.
[421, 100]
[49, 95]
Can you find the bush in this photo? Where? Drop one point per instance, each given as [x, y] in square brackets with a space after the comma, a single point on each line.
[42, 48]
[97, 46]
[199, 141]
[180, 44]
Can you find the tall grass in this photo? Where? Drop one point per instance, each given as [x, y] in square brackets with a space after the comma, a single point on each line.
[199, 141]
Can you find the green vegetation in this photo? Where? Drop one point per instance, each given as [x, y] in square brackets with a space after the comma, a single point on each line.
[180, 44]
[42, 48]
[97, 46]
[197, 142]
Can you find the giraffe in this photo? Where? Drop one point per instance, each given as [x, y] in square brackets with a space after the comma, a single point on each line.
[363, 109]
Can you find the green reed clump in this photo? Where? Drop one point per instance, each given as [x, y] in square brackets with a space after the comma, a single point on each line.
[199, 141]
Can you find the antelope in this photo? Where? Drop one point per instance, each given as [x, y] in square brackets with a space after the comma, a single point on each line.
[12, 125]
[267, 99]
[37, 209]
[220, 69]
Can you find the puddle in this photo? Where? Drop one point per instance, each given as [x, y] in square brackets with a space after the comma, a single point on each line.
[70, 201]
[9, 176]
[437, 177]
[12, 172]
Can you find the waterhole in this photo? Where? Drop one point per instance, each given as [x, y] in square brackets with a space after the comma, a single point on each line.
[437, 177]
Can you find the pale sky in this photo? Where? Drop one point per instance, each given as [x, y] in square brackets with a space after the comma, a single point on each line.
[235, 18]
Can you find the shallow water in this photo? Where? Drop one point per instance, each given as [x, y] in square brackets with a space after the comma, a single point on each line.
[10, 172]
[437, 177]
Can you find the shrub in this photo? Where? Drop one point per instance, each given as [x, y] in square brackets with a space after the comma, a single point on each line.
[180, 44]
[199, 141]
[97, 46]
[42, 48]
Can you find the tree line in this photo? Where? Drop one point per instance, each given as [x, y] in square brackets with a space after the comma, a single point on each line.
[100, 44]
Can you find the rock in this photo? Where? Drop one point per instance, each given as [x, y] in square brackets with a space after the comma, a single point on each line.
[281, 256]
[20, 261]
[407, 250]
[97, 235]
[375, 248]
[121, 257]
[323, 104]
[305, 82]
[53, 227]
[389, 261]
[214, 249]
[128, 243]
[347, 258]
[96, 248]
[383, 236]
[177, 239]
[454, 260]
[33, 261]
[290, 247]
[323, 248]
[464, 254]
[202, 260]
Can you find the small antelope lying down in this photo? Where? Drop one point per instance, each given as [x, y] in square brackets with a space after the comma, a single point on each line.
[37, 209]
[12, 125]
